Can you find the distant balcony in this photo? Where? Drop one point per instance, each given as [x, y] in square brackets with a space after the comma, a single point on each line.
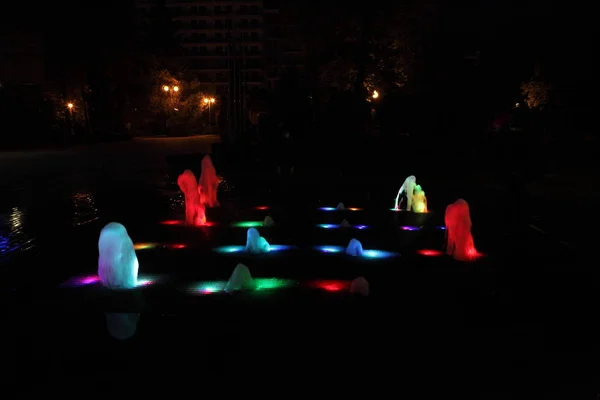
[205, 40]
[220, 54]
[250, 12]
[188, 27]
[220, 64]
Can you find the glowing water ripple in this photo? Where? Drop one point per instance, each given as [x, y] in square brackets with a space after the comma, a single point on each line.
[13, 236]
[84, 208]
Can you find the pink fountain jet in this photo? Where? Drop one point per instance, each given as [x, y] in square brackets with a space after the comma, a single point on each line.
[209, 182]
[194, 207]
[459, 242]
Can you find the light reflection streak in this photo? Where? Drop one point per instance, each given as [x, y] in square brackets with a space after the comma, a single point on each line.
[13, 236]
[84, 208]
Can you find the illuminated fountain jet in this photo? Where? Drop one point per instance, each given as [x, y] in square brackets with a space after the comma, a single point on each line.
[255, 243]
[407, 188]
[459, 240]
[117, 262]
[360, 286]
[415, 196]
[240, 279]
[355, 248]
[209, 181]
[194, 208]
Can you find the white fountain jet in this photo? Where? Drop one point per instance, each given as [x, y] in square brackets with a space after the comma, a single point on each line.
[408, 187]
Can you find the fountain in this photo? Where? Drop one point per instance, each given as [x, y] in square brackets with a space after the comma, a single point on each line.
[255, 243]
[408, 189]
[459, 241]
[194, 208]
[209, 182]
[354, 248]
[340, 207]
[122, 326]
[117, 263]
[360, 286]
[345, 224]
[419, 202]
[240, 279]
[268, 222]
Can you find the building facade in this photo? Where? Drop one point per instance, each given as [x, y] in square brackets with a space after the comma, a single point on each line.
[234, 48]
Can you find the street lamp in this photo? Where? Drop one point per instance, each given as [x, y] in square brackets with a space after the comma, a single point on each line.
[375, 94]
[166, 88]
[70, 107]
[176, 88]
[209, 101]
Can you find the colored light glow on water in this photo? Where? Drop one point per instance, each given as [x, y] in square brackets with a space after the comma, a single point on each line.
[429, 253]
[148, 246]
[335, 209]
[396, 209]
[331, 285]
[410, 228]
[247, 224]
[90, 280]
[209, 287]
[366, 253]
[144, 246]
[336, 226]
[262, 208]
[240, 249]
[172, 222]
[272, 283]
[330, 249]
[442, 228]
[328, 226]
[378, 254]
[259, 284]
[230, 249]
[178, 222]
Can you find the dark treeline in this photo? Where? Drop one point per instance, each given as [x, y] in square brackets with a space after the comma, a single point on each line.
[442, 69]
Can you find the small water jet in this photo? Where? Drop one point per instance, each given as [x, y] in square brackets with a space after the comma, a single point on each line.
[255, 243]
[407, 188]
[459, 241]
[354, 248]
[360, 286]
[122, 326]
[194, 208]
[345, 224]
[330, 285]
[209, 181]
[419, 202]
[268, 222]
[340, 207]
[117, 262]
[240, 279]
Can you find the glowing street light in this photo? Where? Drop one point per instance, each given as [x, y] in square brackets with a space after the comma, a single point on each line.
[166, 88]
[176, 88]
[375, 94]
[70, 107]
[209, 101]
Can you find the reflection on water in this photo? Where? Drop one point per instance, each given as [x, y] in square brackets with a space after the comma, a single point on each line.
[13, 236]
[84, 208]
[122, 326]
